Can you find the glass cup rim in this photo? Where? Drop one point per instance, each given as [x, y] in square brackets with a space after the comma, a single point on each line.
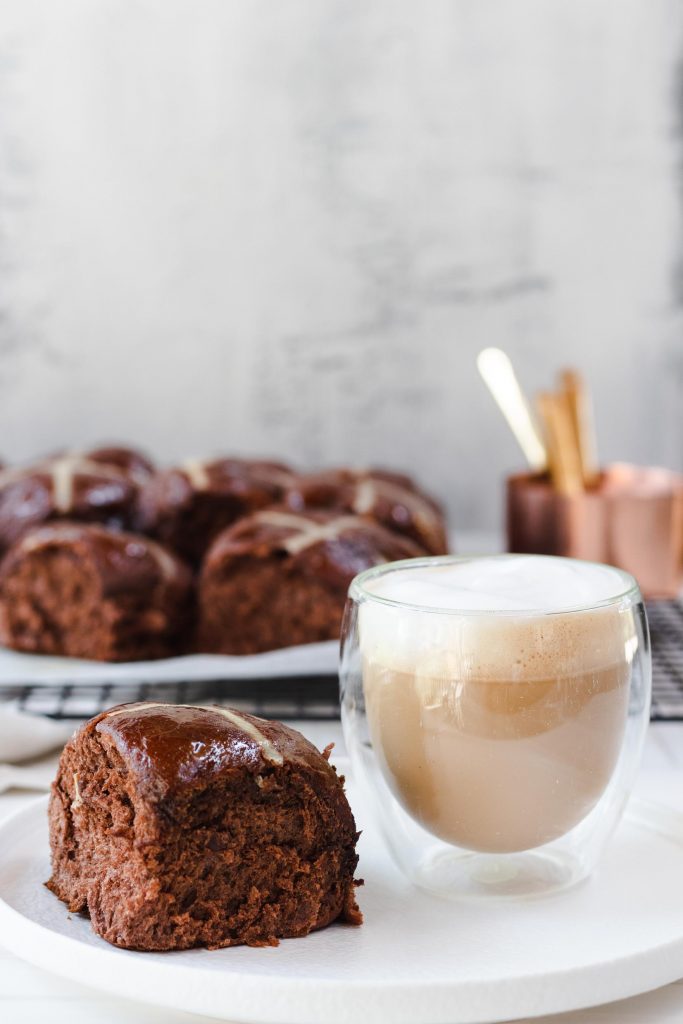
[357, 591]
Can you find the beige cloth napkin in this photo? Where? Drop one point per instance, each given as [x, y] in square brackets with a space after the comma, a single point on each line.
[24, 737]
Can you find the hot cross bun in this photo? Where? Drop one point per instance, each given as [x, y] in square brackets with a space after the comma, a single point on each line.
[391, 499]
[175, 827]
[86, 591]
[279, 578]
[187, 506]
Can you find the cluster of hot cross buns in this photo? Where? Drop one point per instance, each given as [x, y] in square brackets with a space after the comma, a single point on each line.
[180, 559]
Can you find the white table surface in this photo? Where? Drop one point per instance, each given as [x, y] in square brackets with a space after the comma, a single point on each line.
[31, 996]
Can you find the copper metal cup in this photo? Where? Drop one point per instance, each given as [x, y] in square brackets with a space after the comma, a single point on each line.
[633, 519]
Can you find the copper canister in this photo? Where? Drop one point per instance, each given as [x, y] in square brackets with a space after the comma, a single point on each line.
[632, 519]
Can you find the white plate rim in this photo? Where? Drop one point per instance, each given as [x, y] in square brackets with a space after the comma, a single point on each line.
[18, 668]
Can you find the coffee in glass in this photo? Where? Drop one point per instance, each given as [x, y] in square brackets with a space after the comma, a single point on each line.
[495, 708]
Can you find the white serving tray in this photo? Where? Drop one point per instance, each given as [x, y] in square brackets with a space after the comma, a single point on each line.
[33, 669]
[416, 960]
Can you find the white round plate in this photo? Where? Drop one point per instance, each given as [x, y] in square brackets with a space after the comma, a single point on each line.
[416, 958]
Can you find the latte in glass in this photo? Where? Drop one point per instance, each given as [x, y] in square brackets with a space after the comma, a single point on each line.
[497, 694]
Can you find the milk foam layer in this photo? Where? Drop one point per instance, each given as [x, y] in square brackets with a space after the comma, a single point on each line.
[524, 643]
[525, 583]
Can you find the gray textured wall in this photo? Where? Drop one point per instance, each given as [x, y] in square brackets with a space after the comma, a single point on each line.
[289, 227]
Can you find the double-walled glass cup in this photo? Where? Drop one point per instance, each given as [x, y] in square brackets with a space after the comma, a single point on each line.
[497, 747]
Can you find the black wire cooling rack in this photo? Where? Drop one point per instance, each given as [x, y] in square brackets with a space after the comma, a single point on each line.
[313, 697]
[666, 635]
[316, 697]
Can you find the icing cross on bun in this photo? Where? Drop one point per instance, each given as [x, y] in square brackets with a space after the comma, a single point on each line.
[247, 725]
[203, 472]
[86, 591]
[71, 485]
[138, 466]
[305, 532]
[176, 826]
[390, 498]
[188, 505]
[63, 469]
[66, 532]
[278, 578]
